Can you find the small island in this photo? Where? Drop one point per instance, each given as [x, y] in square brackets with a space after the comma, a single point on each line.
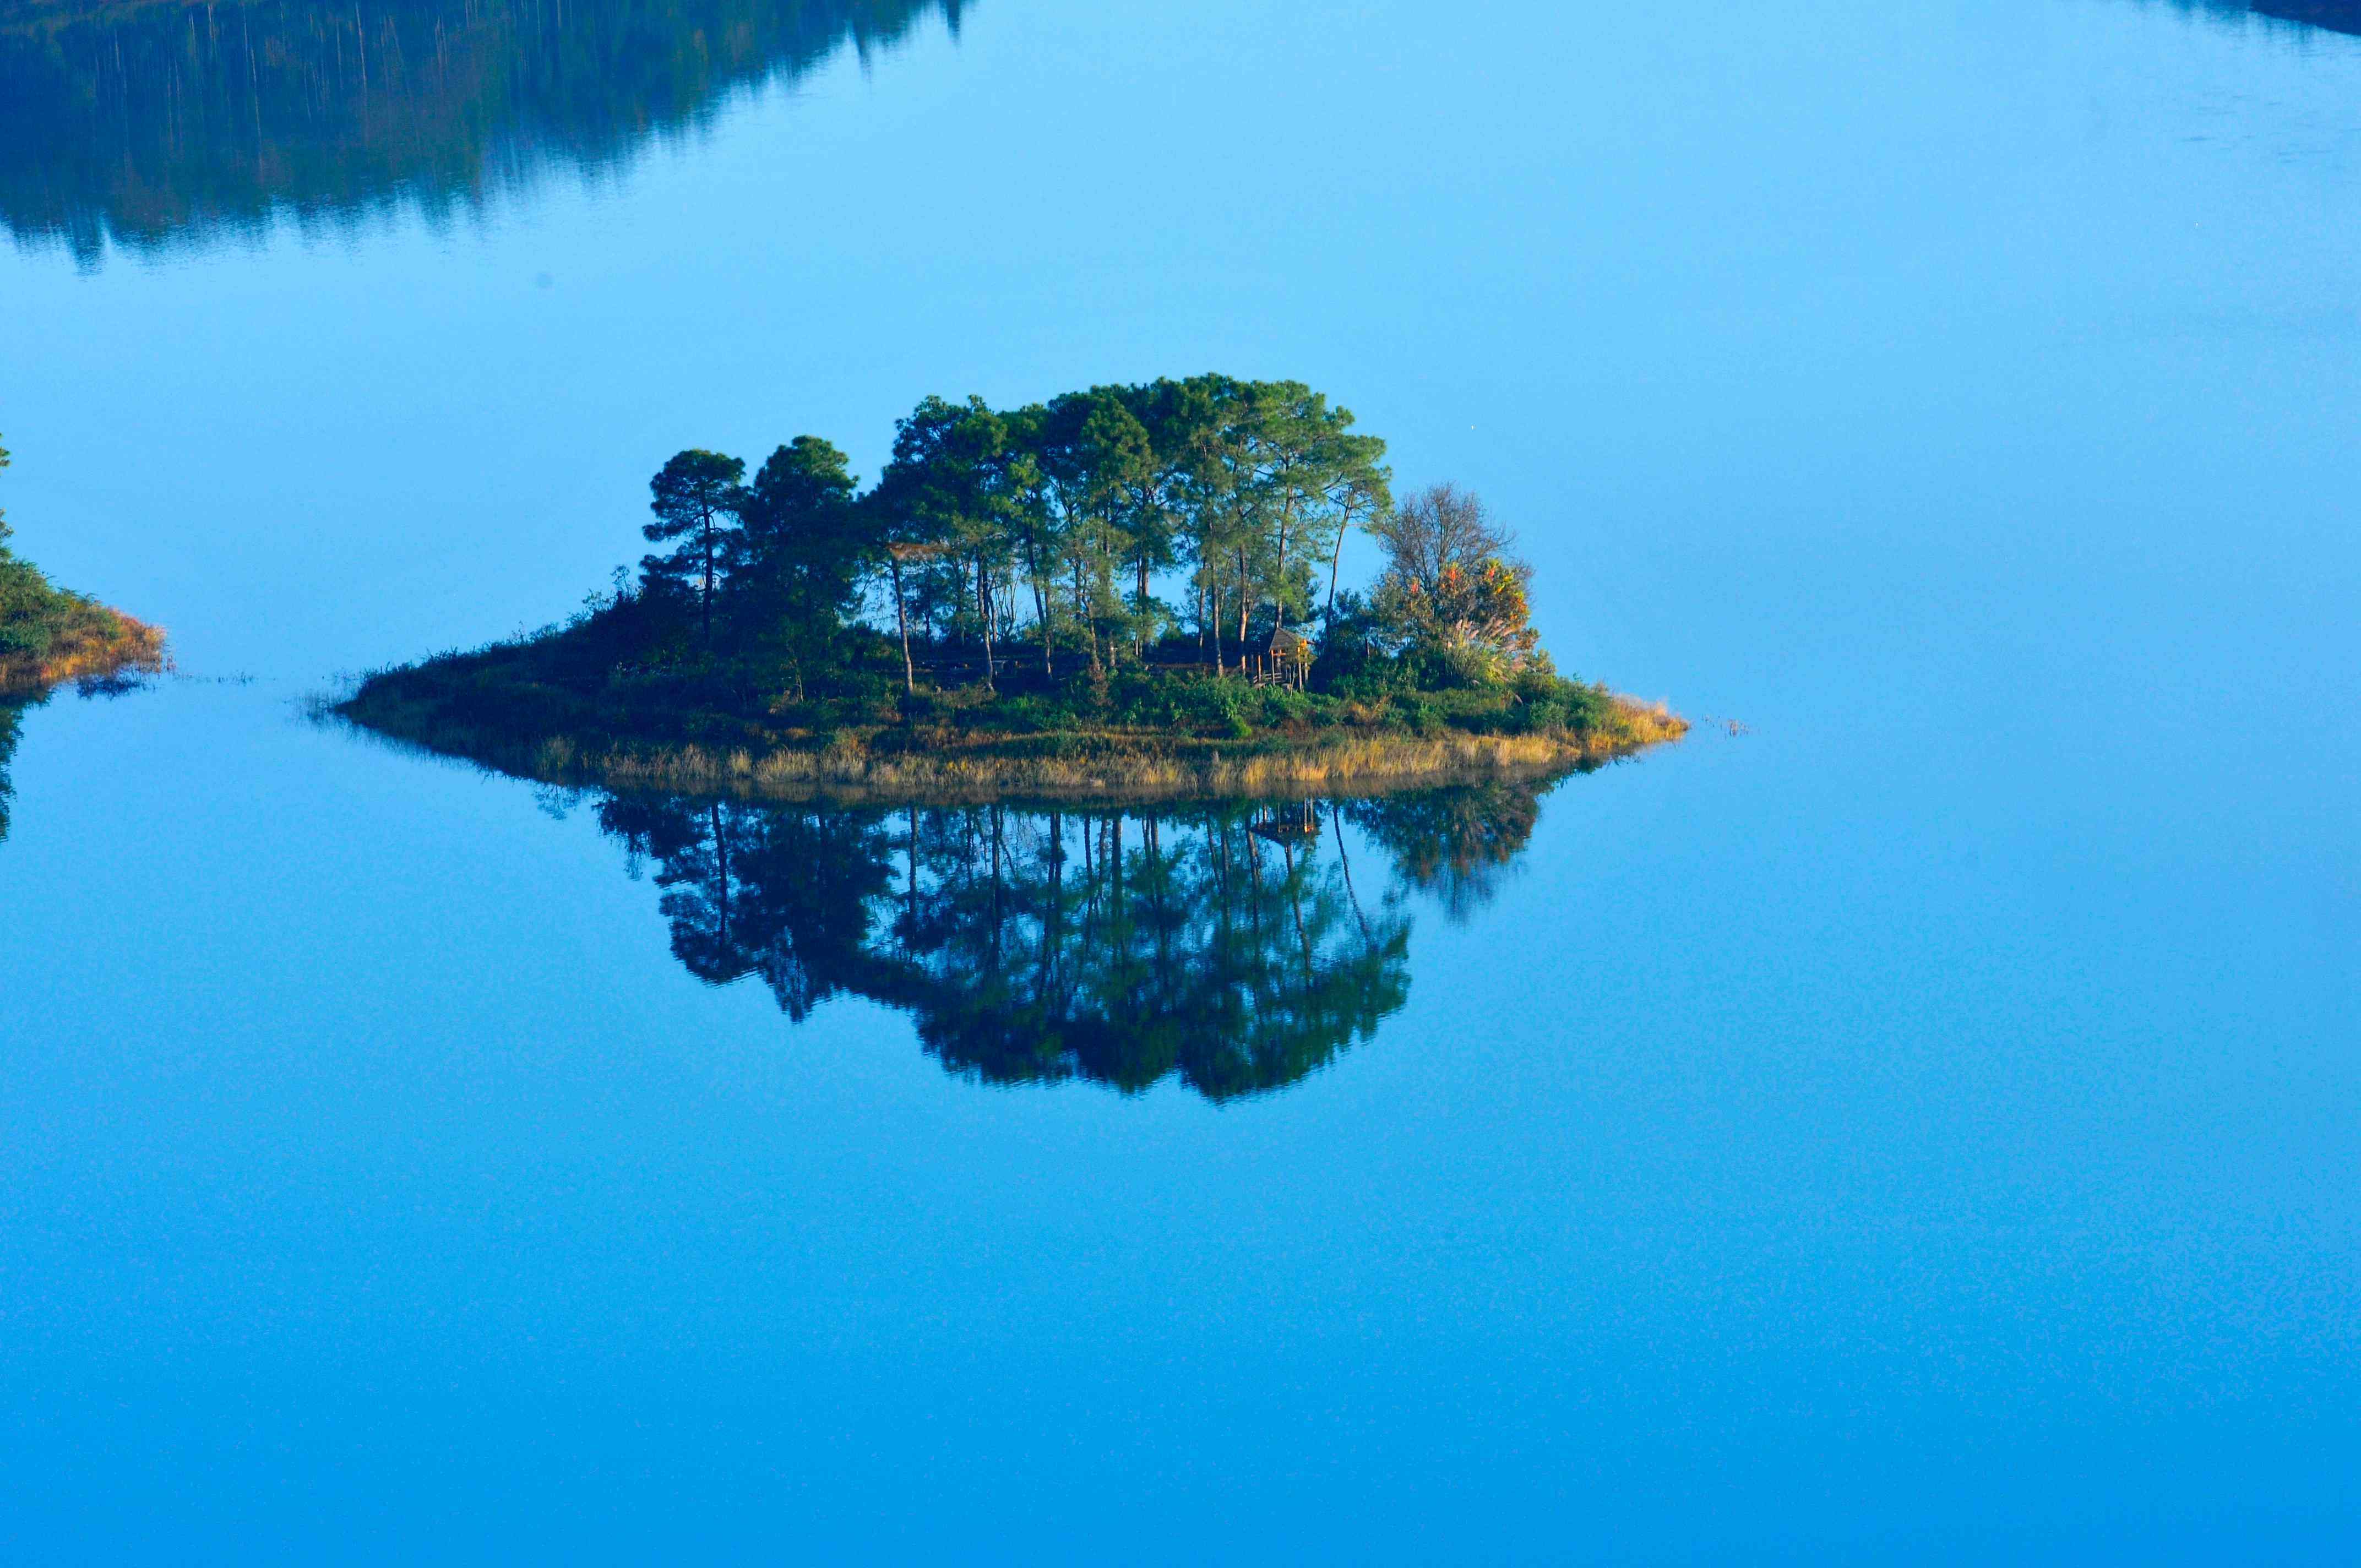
[1130, 592]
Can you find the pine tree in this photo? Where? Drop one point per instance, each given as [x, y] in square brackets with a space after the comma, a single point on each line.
[696, 500]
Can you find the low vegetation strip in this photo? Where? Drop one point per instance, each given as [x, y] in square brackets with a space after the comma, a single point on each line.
[946, 764]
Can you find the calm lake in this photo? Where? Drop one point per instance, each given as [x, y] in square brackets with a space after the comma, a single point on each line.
[1913, 1120]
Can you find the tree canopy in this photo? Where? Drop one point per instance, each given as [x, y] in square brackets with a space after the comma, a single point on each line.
[1197, 521]
[1451, 586]
[697, 501]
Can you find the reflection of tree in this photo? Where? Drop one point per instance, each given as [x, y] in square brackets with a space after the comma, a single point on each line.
[773, 891]
[1036, 946]
[1458, 844]
[12, 720]
[154, 119]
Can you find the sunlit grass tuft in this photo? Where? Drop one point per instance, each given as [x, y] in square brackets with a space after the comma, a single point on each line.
[89, 642]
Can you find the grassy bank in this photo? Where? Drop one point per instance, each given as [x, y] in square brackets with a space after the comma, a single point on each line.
[1145, 735]
[51, 637]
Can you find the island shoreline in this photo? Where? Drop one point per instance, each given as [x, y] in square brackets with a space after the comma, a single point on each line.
[1103, 767]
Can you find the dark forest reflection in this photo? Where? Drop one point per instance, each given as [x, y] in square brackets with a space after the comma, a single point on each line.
[148, 122]
[12, 721]
[1237, 947]
[2296, 16]
[2336, 15]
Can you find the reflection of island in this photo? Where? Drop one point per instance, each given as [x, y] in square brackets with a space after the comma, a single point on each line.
[1235, 946]
[152, 120]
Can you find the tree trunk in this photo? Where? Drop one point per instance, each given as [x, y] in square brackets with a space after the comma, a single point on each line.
[706, 600]
[1082, 615]
[1328, 616]
[1243, 600]
[902, 624]
[983, 607]
[1139, 641]
[1040, 610]
[1279, 606]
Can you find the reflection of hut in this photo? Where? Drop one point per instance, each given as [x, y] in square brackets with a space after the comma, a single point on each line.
[1297, 823]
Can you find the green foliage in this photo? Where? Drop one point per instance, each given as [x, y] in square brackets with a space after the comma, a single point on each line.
[796, 565]
[1452, 599]
[32, 613]
[696, 501]
[1069, 511]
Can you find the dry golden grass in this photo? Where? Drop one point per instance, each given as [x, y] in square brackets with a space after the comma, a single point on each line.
[112, 644]
[1100, 766]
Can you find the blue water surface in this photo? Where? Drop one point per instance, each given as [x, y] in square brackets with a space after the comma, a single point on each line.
[1913, 1120]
